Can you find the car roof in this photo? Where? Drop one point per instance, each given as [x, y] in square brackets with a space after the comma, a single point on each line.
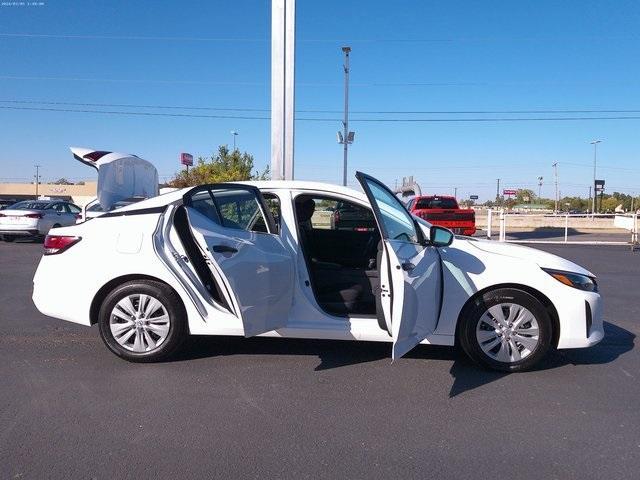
[271, 185]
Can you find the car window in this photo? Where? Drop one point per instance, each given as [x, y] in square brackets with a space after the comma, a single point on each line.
[73, 208]
[96, 207]
[30, 205]
[231, 208]
[437, 202]
[396, 221]
[331, 214]
[273, 204]
[59, 207]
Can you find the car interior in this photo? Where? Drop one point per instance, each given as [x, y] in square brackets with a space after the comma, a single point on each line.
[342, 259]
[342, 262]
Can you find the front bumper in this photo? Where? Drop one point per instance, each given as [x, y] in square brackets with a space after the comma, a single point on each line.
[585, 327]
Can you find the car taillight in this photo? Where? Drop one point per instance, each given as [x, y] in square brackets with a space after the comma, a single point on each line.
[78, 216]
[33, 215]
[54, 244]
[2, 215]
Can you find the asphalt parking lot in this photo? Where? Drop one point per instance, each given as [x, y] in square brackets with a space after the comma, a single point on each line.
[268, 408]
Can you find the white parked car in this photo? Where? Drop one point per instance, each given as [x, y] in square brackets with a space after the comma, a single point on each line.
[36, 217]
[262, 259]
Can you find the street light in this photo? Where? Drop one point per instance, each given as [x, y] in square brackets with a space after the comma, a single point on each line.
[235, 134]
[37, 177]
[595, 159]
[345, 138]
[539, 187]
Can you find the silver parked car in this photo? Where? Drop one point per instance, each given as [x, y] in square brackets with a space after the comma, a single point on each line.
[36, 217]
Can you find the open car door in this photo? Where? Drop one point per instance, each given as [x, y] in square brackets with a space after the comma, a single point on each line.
[237, 236]
[410, 270]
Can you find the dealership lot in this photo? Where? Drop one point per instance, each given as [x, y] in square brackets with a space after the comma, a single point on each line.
[230, 407]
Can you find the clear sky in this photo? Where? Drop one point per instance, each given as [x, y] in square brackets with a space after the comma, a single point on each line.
[427, 56]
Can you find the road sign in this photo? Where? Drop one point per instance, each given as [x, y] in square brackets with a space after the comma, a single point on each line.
[186, 159]
[473, 197]
[509, 192]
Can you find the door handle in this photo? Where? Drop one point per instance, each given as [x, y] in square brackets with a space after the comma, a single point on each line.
[408, 266]
[224, 249]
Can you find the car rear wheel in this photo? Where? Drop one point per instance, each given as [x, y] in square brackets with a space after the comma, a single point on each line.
[506, 329]
[143, 321]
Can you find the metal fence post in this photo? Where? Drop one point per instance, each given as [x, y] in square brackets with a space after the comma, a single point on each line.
[566, 227]
[489, 221]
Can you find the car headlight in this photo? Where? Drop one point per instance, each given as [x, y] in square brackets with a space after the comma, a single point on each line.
[575, 280]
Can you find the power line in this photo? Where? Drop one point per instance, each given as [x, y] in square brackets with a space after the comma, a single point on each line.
[368, 120]
[265, 39]
[380, 112]
[311, 84]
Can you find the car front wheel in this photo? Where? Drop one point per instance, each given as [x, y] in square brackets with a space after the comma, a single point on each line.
[506, 329]
[143, 321]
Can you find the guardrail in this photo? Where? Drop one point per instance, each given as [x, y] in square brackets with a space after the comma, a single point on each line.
[598, 229]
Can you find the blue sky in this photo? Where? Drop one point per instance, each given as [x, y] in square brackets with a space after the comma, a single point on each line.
[407, 56]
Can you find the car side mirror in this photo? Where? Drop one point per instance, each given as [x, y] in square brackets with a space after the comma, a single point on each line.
[440, 236]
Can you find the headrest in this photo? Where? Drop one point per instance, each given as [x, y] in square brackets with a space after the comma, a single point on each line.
[305, 209]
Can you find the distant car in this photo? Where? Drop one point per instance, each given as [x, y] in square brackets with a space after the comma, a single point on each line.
[444, 211]
[95, 209]
[36, 218]
[6, 203]
[347, 216]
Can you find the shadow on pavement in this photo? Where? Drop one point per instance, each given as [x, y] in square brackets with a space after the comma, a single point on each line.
[542, 233]
[466, 375]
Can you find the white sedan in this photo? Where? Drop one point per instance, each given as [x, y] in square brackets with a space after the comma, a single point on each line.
[35, 218]
[262, 258]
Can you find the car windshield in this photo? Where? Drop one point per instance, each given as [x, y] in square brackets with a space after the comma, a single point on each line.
[436, 202]
[30, 205]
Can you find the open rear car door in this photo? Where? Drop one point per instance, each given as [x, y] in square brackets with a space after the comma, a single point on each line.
[410, 270]
[236, 234]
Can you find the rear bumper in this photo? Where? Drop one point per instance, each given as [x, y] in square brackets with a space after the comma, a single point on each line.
[22, 231]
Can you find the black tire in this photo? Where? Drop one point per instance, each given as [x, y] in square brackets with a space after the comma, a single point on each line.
[473, 313]
[178, 326]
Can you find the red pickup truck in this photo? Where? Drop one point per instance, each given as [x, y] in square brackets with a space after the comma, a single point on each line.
[444, 211]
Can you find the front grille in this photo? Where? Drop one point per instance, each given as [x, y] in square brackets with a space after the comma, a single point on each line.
[587, 309]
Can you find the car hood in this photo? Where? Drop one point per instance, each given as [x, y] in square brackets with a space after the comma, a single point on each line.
[542, 259]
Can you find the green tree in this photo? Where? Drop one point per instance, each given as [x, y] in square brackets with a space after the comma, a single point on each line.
[223, 166]
[62, 181]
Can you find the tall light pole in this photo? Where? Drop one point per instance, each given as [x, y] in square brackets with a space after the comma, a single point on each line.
[539, 187]
[235, 134]
[37, 177]
[595, 160]
[555, 174]
[345, 137]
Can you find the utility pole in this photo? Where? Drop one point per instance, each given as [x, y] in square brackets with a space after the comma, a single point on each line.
[455, 193]
[345, 137]
[498, 191]
[555, 174]
[235, 134]
[595, 159]
[37, 177]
